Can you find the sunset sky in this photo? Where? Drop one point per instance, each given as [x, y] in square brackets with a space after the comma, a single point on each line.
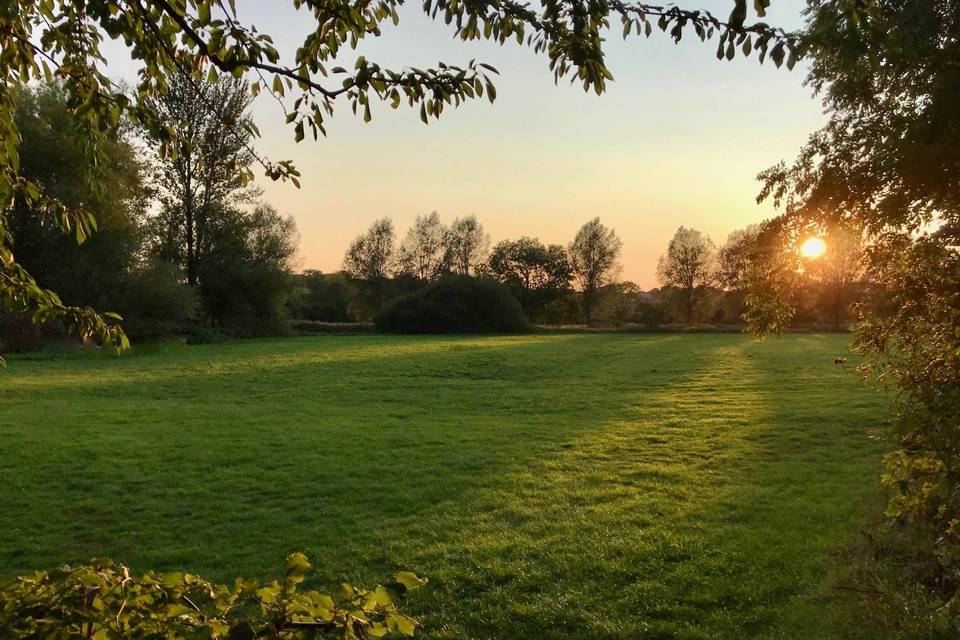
[677, 140]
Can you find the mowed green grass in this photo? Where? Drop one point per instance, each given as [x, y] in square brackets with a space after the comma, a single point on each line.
[549, 486]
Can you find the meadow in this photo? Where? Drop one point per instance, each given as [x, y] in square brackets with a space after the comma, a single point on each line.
[548, 486]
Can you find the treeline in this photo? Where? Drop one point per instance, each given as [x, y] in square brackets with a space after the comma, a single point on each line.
[551, 283]
[701, 284]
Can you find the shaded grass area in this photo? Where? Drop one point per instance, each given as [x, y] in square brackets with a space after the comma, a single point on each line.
[594, 486]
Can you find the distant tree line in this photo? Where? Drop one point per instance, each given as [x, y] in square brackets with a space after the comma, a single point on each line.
[701, 284]
[554, 284]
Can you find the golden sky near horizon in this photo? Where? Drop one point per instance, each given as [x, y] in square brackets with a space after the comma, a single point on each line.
[677, 140]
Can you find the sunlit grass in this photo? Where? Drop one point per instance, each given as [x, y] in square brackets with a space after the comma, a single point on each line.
[549, 486]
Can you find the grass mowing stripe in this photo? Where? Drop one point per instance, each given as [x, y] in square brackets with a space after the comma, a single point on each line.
[611, 490]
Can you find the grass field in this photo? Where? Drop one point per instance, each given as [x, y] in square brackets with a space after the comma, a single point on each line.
[588, 486]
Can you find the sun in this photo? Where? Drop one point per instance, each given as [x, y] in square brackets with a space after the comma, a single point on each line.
[813, 248]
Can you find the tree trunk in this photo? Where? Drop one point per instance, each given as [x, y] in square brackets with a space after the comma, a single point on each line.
[189, 223]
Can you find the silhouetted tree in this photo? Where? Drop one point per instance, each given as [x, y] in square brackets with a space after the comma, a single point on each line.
[320, 297]
[210, 168]
[593, 260]
[618, 301]
[370, 255]
[734, 257]
[733, 262]
[245, 275]
[538, 275]
[467, 245]
[423, 253]
[837, 277]
[689, 265]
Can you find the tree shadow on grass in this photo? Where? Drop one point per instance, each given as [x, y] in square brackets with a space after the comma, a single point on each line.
[708, 509]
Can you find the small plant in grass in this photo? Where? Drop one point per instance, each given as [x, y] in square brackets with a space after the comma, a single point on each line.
[102, 601]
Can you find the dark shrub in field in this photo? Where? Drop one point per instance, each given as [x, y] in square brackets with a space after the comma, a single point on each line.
[18, 332]
[454, 304]
[154, 302]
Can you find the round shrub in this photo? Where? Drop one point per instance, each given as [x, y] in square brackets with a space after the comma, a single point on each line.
[454, 304]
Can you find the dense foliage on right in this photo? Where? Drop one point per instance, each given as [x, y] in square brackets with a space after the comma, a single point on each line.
[887, 165]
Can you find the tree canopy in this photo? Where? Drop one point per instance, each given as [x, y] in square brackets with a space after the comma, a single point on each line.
[370, 256]
[539, 275]
[593, 259]
[689, 264]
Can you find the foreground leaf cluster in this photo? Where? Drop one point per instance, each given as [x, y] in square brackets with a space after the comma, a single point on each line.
[103, 601]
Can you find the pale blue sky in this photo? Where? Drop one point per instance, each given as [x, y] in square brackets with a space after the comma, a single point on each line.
[677, 140]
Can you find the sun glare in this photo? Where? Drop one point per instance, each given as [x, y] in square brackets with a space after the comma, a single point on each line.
[813, 248]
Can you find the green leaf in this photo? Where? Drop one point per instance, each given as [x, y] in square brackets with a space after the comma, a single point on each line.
[267, 594]
[296, 566]
[171, 579]
[404, 625]
[242, 631]
[175, 610]
[409, 579]
[777, 53]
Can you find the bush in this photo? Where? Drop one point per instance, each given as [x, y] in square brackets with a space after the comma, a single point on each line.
[197, 333]
[649, 314]
[454, 304]
[18, 332]
[319, 297]
[155, 302]
[246, 301]
[102, 600]
[313, 326]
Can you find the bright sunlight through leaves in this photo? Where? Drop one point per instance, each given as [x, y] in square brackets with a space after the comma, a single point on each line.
[813, 248]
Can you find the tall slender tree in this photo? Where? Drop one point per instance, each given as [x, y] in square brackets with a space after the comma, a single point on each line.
[689, 265]
[209, 170]
[467, 245]
[593, 259]
[733, 259]
[370, 256]
[423, 251]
